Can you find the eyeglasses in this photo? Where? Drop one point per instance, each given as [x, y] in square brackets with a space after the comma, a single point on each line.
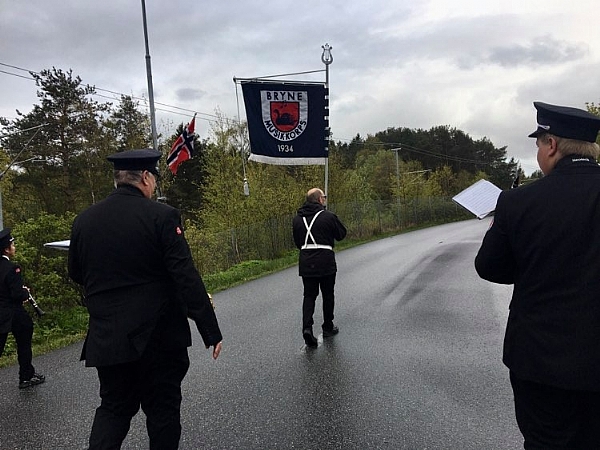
[155, 173]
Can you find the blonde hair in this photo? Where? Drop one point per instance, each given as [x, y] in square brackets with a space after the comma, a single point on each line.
[573, 146]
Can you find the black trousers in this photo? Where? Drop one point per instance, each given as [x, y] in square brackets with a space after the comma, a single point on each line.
[311, 292]
[22, 330]
[551, 418]
[154, 383]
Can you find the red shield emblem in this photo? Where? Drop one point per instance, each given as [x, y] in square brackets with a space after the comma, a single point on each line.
[285, 115]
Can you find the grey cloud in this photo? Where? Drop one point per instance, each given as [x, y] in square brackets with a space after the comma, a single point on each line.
[541, 50]
[189, 94]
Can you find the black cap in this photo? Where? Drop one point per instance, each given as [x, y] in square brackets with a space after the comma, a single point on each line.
[144, 159]
[567, 122]
[5, 238]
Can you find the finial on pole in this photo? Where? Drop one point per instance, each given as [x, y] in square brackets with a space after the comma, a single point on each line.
[327, 57]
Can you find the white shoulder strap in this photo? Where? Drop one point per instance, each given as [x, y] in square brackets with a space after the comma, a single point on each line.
[314, 244]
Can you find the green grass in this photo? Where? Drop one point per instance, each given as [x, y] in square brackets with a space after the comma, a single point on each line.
[52, 331]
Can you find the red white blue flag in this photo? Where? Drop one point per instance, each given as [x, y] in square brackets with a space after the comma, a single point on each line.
[183, 147]
[288, 123]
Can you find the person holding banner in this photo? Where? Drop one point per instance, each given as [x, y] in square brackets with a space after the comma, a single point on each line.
[315, 231]
[545, 239]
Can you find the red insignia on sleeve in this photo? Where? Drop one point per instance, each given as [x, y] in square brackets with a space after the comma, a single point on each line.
[179, 230]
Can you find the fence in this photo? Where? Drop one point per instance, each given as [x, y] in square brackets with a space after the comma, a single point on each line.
[215, 252]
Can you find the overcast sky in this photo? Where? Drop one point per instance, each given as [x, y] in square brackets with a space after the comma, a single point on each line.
[470, 64]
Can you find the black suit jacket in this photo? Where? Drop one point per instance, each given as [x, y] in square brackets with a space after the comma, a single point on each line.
[545, 239]
[140, 283]
[12, 293]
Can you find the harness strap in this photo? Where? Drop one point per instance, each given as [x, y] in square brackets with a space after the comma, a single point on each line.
[314, 244]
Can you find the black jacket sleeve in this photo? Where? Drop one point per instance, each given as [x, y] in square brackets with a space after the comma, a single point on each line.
[190, 287]
[495, 260]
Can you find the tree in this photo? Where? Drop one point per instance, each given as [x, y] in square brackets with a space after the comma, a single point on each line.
[443, 182]
[347, 152]
[64, 135]
[378, 168]
[127, 124]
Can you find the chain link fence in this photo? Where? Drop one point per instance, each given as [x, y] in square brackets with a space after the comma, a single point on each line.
[216, 252]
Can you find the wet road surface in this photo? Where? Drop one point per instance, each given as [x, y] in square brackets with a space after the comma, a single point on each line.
[417, 363]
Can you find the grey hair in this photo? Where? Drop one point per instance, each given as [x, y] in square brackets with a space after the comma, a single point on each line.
[573, 146]
[131, 177]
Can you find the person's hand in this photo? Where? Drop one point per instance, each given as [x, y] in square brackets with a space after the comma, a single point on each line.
[217, 349]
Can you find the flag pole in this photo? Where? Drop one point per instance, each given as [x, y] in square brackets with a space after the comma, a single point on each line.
[327, 59]
[151, 96]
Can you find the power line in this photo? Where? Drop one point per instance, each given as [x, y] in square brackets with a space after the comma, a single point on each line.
[430, 153]
[212, 117]
[208, 117]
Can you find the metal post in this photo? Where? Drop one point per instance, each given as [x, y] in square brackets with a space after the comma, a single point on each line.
[1, 213]
[160, 196]
[327, 59]
[396, 150]
[149, 74]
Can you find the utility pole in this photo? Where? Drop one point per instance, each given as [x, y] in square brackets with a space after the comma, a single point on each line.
[160, 196]
[396, 150]
[149, 75]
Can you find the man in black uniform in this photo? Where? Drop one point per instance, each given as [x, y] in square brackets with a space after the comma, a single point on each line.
[13, 317]
[545, 239]
[315, 231]
[130, 254]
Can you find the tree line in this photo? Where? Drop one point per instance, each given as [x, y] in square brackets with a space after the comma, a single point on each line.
[53, 161]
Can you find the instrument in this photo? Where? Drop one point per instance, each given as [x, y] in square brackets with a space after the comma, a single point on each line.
[35, 306]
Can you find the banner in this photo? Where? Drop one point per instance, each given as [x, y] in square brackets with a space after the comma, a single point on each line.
[287, 122]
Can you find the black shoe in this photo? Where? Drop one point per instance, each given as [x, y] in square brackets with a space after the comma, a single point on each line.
[328, 333]
[35, 379]
[309, 338]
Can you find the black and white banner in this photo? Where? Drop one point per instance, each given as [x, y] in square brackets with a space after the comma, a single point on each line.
[287, 122]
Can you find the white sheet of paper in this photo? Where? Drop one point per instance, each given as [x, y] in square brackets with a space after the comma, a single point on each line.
[59, 245]
[480, 198]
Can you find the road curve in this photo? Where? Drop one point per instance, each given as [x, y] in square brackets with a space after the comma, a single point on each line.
[417, 363]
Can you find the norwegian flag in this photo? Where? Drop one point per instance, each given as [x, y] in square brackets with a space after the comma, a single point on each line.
[183, 147]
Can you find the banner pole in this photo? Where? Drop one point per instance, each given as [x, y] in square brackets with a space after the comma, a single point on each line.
[327, 59]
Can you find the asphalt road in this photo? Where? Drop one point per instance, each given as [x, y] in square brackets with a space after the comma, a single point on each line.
[417, 363]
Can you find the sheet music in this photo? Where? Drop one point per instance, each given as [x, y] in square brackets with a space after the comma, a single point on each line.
[59, 245]
[480, 198]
